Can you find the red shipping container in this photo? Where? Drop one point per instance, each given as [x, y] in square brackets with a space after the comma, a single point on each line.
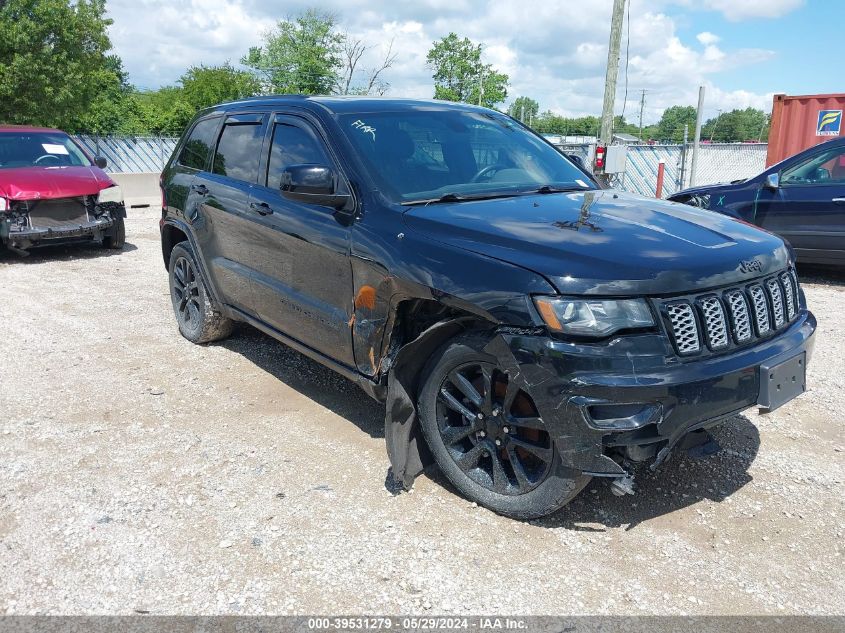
[803, 121]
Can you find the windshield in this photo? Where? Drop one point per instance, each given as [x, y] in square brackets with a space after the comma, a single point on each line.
[39, 149]
[417, 155]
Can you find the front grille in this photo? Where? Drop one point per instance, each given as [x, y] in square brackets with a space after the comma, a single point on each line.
[714, 322]
[684, 327]
[58, 213]
[789, 294]
[737, 316]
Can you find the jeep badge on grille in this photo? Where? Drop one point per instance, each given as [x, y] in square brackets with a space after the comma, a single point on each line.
[752, 266]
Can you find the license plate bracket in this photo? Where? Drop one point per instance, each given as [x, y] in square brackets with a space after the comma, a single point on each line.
[782, 381]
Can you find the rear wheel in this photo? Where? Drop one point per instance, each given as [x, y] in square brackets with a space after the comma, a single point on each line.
[116, 237]
[488, 438]
[198, 321]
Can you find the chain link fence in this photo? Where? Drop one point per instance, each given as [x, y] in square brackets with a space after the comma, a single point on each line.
[131, 154]
[717, 162]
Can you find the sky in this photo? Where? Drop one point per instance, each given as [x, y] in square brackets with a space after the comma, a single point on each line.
[554, 51]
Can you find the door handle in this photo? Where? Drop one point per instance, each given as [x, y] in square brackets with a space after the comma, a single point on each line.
[200, 189]
[838, 201]
[262, 207]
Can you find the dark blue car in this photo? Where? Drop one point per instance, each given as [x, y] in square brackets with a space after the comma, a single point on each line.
[802, 199]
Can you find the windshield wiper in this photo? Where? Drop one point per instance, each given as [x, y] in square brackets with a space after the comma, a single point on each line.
[551, 189]
[457, 197]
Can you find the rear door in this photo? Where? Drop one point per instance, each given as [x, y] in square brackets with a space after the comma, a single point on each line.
[224, 223]
[194, 157]
[808, 209]
[300, 251]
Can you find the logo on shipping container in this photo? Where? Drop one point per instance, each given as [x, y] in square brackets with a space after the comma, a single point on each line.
[830, 123]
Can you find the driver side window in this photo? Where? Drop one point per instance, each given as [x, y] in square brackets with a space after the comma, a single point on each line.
[292, 145]
[823, 168]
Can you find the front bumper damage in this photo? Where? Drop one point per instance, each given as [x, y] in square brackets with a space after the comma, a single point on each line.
[18, 233]
[631, 398]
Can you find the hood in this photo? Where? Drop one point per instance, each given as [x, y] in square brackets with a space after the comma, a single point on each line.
[606, 242]
[703, 189]
[37, 183]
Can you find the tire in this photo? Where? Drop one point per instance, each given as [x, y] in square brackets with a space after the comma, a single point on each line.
[196, 317]
[116, 237]
[522, 476]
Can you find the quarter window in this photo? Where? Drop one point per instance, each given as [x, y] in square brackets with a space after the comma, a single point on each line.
[292, 145]
[238, 151]
[197, 148]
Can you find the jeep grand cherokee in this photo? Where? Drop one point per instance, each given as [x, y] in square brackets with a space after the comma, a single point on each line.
[526, 328]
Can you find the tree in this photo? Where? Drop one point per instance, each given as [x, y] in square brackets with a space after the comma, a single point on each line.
[204, 86]
[353, 51]
[550, 123]
[524, 109]
[165, 111]
[302, 55]
[671, 124]
[110, 111]
[52, 60]
[459, 73]
[737, 125]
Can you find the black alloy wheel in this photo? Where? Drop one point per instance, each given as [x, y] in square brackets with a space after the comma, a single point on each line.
[186, 294]
[487, 435]
[491, 430]
[197, 318]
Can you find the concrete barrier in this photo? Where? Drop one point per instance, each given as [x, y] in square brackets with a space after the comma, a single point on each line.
[139, 190]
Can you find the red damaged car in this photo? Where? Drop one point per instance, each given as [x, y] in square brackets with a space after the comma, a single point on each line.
[52, 191]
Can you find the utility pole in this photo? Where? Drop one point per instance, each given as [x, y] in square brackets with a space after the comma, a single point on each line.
[522, 114]
[480, 86]
[642, 106]
[697, 138]
[606, 135]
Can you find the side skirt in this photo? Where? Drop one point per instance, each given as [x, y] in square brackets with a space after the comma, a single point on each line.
[372, 388]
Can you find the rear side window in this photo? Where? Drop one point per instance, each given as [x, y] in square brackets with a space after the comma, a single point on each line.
[238, 151]
[198, 147]
[292, 145]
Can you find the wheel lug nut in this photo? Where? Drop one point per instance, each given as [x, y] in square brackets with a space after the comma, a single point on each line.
[495, 412]
[498, 442]
[480, 416]
[505, 429]
[482, 434]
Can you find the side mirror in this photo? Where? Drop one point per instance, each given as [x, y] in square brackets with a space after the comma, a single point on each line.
[312, 184]
[100, 161]
[772, 181]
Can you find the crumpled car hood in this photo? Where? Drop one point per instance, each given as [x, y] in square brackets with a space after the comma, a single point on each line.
[38, 183]
[607, 242]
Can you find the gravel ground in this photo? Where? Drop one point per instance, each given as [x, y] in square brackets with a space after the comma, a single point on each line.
[141, 473]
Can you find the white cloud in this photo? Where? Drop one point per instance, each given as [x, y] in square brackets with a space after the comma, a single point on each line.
[707, 38]
[737, 10]
[555, 52]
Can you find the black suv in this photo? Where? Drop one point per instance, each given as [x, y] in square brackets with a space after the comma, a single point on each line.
[527, 329]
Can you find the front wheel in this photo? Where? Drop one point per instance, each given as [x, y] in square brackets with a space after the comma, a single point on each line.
[487, 436]
[198, 321]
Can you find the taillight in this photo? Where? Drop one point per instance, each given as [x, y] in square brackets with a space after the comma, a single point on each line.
[4, 206]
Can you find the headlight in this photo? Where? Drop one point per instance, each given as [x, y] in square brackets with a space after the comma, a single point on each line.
[110, 194]
[593, 317]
